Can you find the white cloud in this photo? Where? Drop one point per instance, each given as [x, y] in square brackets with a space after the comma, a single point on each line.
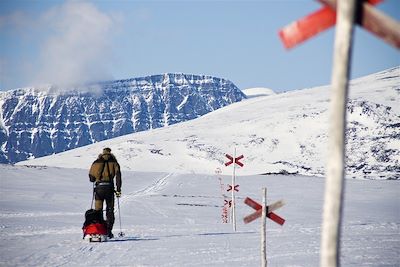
[78, 50]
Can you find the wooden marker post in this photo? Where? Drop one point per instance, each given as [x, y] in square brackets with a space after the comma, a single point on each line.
[332, 215]
[264, 229]
[234, 187]
[226, 202]
[265, 211]
[233, 193]
[348, 12]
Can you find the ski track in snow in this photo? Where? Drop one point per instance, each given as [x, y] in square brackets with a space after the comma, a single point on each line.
[153, 188]
[174, 220]
[36, 214]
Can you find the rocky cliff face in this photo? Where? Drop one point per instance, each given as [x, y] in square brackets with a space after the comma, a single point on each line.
[37, 122]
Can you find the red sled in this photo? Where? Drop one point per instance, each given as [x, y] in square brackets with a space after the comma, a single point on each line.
[95, 232]
[94, 228]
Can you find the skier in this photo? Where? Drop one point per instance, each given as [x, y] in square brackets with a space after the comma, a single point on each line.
[102, 173]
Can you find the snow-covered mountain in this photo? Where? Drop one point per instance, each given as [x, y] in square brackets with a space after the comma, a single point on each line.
[257, 91]
[281, 133]
[37, 122]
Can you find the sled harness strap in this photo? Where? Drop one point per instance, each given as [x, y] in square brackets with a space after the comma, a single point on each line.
[102, 169]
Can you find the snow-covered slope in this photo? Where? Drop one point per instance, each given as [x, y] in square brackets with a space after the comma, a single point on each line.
[278, 133]
[175, 220]
[35, 122]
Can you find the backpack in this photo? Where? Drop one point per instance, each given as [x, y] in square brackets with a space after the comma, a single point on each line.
[94, 223]
[93, 216]
[97, 169]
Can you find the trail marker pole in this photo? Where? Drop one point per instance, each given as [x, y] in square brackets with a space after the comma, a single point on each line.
[233, 193]
[234, 160]
[334, 184]
[265, 211]
[348, 12]
[264, 229]
[226, 203]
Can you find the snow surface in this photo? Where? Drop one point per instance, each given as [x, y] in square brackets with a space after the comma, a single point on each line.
[172, 199]
[175, 220]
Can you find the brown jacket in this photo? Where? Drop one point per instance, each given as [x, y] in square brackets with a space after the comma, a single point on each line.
[104, 169]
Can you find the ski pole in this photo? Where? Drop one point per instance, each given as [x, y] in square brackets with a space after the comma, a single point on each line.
[120, 234]
[91, 206]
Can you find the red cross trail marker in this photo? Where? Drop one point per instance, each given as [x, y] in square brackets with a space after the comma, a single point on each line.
[230, 160]
[236, 188]
[237, 160]
[324, 18]
[258, 209]
[270, 214]
[228, 203]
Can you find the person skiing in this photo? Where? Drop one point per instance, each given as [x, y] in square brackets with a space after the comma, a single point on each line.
[102, 173]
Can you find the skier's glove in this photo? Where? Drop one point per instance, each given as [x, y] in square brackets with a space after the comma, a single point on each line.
[118, 194]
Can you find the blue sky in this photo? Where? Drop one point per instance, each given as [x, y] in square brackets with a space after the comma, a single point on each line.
[77, 41]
